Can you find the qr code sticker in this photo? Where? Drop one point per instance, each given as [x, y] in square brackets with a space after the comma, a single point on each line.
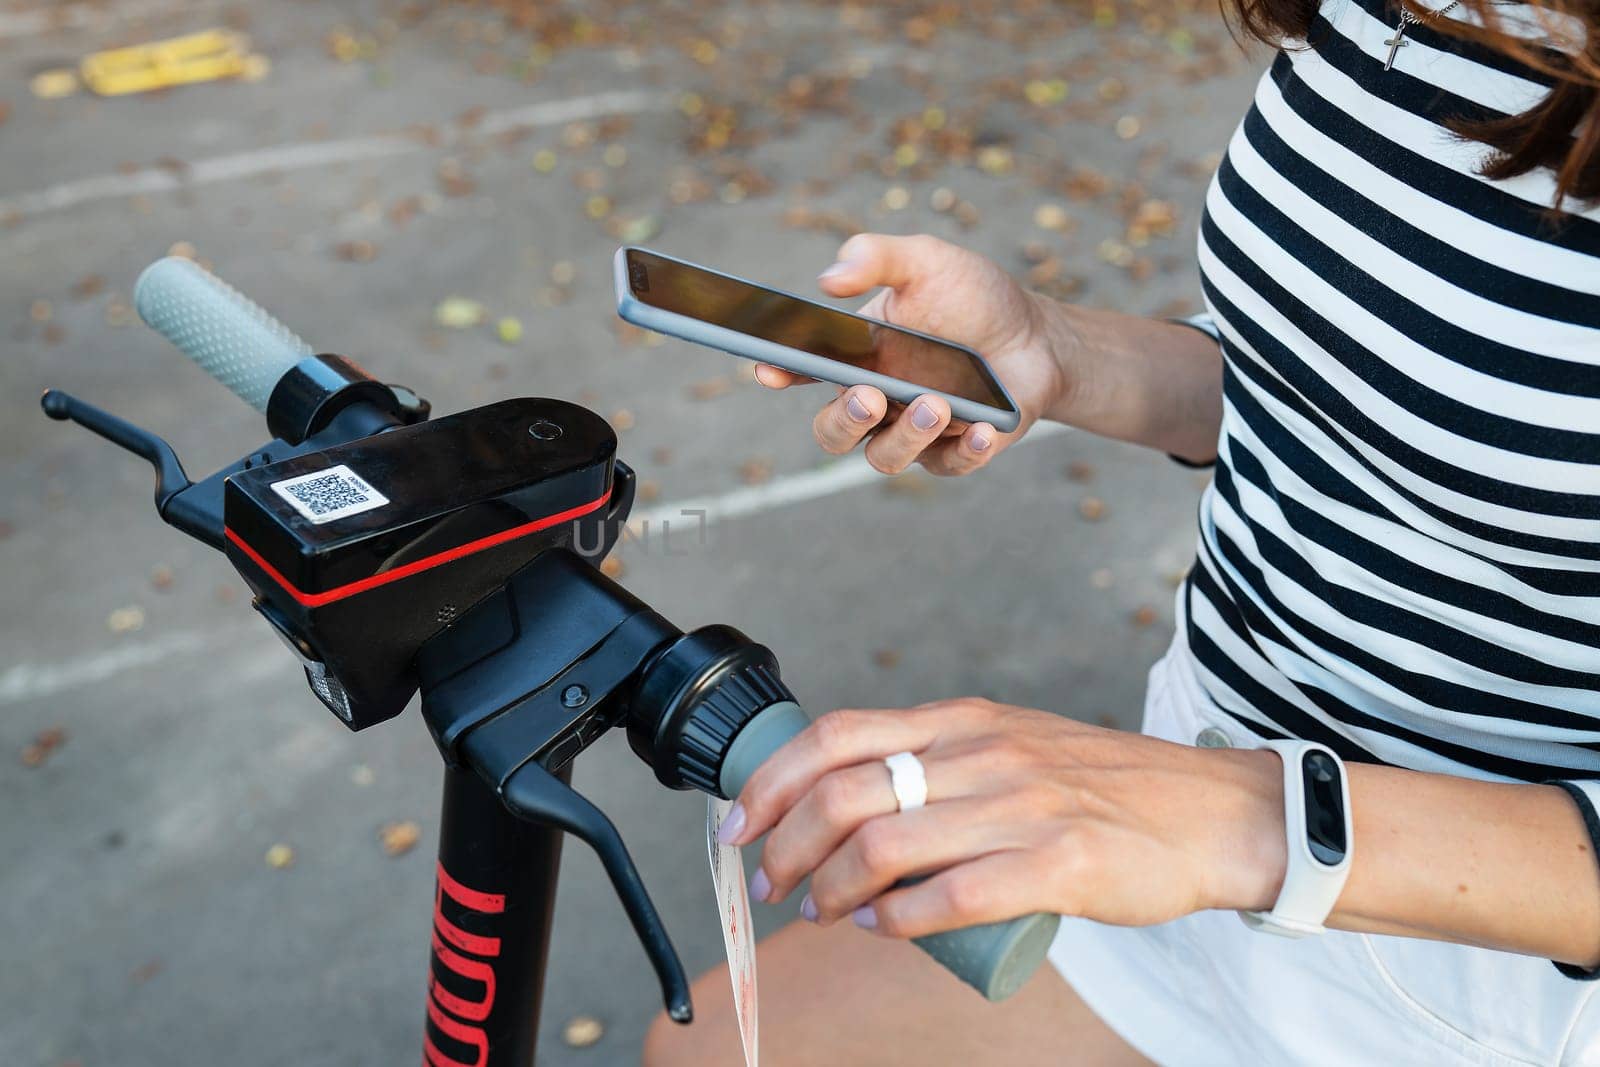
[335, 493]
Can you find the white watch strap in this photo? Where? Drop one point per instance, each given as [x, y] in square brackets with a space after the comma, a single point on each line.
[1310, 886]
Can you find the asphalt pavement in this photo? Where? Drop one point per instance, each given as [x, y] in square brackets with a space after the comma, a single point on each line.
[198, 864]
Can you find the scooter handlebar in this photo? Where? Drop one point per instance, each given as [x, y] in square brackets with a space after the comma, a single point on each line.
[226, 333]
[994, 958]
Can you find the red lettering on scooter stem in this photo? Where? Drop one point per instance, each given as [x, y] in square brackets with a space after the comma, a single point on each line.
[455, 1016]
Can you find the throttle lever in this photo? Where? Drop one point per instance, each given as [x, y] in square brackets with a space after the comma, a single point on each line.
[535, 794]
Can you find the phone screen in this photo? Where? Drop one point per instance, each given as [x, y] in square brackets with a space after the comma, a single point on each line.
[814, 328]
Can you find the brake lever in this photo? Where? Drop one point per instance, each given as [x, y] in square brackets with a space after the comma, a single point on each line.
[535, 794]
[170, 477]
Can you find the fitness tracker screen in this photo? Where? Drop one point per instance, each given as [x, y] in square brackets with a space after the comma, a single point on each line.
[1324, 808]
[811, 327]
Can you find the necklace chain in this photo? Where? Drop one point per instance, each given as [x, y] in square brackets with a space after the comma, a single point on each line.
[1407, 18]
[1398, 41]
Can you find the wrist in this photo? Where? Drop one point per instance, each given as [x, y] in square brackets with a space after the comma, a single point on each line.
[1060, 336]
[1247, 847]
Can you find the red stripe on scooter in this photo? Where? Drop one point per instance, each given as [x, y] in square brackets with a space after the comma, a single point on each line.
[317, 600]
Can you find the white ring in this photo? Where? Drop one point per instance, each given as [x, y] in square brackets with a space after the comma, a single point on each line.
[908, 780]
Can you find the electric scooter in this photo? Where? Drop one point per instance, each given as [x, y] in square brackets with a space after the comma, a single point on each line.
[395, 553]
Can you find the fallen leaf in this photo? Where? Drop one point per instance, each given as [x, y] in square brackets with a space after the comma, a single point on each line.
[509, 330]
[54, 84]
[611, 567]
[996, 160]
[125, 620]
[458, 313]
[582, 1031]
[640, 229]
[161, 576]
[1092, 508]
[755, 471]
[886, 658]
[711, 388]
[1079, 471]
[44, 743]
[1144, 615]
[280, 856]
[1115, 252]
[1052, 217]
[398, 838]
[453, 178]
[356, 251]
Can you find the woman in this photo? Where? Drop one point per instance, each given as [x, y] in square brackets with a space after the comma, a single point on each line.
[1399, 559]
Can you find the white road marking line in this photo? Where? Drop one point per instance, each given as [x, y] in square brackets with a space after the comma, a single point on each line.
[59, 16]
[281, 158]
[848, 473]
[31, 681]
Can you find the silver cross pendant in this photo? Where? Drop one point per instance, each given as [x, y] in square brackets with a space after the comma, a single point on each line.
[1395, 43]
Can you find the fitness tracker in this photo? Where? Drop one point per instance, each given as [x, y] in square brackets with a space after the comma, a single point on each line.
[1316, 815]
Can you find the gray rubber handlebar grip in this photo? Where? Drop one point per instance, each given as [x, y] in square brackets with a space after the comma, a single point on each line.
[219, 328]
[995, 958]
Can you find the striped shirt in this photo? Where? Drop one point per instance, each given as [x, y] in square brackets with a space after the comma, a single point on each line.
[1400, 552]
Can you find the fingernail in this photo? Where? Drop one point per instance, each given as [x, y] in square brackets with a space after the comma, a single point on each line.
[760, 885]
[808, 909]
[980, 443]
[732, 826]
[924, 417]
[844, 266]
[865, 917]
[857, 409]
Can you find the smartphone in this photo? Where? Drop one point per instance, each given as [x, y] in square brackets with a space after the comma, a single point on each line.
[710, 308]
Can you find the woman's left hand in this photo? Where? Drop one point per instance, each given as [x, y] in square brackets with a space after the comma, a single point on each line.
[1026, 812]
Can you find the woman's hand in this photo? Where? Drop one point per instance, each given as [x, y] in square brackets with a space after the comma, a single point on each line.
[1026, 812]
[938, 288]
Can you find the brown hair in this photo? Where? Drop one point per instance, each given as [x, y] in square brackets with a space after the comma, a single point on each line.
[1561, 132]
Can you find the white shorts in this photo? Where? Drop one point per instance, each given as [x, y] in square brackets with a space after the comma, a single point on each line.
[1205, 989]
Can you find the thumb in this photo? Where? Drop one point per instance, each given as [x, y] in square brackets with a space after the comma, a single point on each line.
[869, 260]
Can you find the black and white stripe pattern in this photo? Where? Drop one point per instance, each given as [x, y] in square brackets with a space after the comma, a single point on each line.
[1400, 554]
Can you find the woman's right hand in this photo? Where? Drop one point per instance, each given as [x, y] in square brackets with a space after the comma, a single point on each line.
[935, 287]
